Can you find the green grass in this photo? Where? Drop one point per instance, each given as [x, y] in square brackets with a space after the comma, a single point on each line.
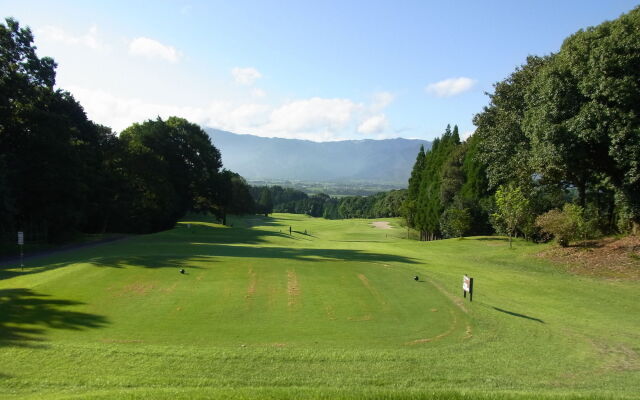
[334, 313]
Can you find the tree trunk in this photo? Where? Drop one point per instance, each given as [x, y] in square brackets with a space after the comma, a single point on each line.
[510, 240]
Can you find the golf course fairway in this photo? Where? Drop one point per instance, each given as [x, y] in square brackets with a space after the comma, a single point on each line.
[331, 310]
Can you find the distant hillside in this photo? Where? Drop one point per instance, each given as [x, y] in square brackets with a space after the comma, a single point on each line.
[257, 158]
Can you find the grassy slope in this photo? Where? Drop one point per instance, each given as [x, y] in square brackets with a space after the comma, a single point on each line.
[331, 314]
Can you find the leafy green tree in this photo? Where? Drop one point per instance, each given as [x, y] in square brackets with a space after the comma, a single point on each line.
[455, 222]
[265, 203]
[503, 146]
[512, 208]
[51, 154]
[587, 112]
[170, 167]
[474, 193]
[331, 210]
[233, 196]
[195, 165]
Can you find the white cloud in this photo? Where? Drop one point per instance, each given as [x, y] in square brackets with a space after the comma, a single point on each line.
[57, 34]
[375, 124]
[318, 119]
[245, 76]
[120, 112]
[313, 115]
[382, 100]
[450, 87]
[150, 48]
[258, 93]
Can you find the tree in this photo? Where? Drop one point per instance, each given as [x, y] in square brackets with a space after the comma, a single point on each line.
[588, 109]
[455, 222]
[170, 167]
[233, 196]
[51, 154]
[503, 146]
[512, 208]
[410, 205]
[429, 204]
[452, 176]
[195, 165]
[265, 203]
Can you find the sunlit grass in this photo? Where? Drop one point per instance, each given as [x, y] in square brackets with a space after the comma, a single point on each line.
[333, 313]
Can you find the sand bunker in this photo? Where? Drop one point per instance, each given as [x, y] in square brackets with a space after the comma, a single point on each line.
[381, 225]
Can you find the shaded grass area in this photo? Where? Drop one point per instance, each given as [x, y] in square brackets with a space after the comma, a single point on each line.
[331, 314]
[25, 314]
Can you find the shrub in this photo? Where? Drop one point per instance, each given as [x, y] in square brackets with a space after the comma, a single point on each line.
[566, 226]
[455, 222]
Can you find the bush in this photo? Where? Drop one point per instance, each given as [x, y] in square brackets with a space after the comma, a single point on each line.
[455, 222]
[566, 226]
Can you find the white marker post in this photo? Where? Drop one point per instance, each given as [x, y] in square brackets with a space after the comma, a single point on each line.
[467, 286]
[21, 244]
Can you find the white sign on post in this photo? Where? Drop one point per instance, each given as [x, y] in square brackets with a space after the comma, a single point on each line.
[20, 238]
[467, 287]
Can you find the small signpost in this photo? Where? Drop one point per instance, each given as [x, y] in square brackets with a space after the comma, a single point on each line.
[21, 244]
[467, 286]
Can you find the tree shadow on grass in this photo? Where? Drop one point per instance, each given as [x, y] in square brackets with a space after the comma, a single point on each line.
[152, 261]
[179, 248]
[304, 233]
[311, 255]
[255, 220]
[156, 260]
[175, 242]
[218, 234]
[489, 238]
[206, 253]
[515, 314]
[25, 317]
[360, 241]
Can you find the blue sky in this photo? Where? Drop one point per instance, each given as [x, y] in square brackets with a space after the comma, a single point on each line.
[321, 70]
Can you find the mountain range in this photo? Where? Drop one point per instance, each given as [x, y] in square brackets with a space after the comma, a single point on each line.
[387, 161]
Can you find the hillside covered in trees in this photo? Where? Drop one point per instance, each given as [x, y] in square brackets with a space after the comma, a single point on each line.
[556, 151]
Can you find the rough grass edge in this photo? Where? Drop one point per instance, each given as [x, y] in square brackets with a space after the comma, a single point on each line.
[269, 393]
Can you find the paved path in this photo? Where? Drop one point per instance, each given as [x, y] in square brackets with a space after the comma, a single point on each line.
[61, 249]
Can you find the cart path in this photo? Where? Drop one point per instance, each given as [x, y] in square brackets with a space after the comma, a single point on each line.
[5, 261]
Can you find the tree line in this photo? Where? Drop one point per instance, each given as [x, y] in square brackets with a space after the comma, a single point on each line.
[61, 173]
[288, 200]
[556, 151]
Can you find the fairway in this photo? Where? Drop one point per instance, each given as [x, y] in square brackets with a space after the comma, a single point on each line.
[330, 311]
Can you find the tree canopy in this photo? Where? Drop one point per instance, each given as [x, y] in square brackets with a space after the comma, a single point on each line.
[61, 173]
